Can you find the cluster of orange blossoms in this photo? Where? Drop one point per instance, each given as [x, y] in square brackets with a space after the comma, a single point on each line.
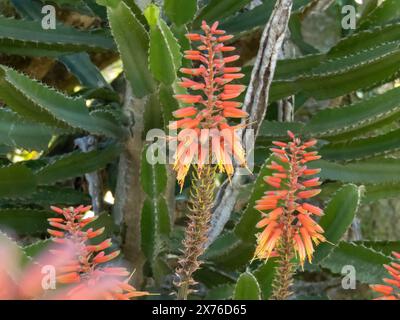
[85, 267]
[210, 106]
[390, 291]
[284, 210]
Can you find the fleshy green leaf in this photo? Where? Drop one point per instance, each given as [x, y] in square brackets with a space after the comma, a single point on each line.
[23, 37]
[48, 103]
[78, 64]
[76, 164]
[16, 132]
[367, 262]
[133, 44]
[246, 227]
[165, 55]
[25, 221]
[364, 69]
[387, 11]
[16, 181]
[47, 196]
[247, 288]
[347, 121]
[216, 10]
[363, 148]
[35, 249]
[365, 171]
[246, 21]
[339, 214]
[180, 11]
[265, 276]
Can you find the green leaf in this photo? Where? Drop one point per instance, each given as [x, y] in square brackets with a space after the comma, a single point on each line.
[152, 14]
[180, 11]
[16, 181]
[385, 247]
[25, 221]
[47, 196]
[16, 132]
[165, 55]
[248, 20]
[367, 262]
[291, 68]
[23, 37]
[347, 121]
[247, 288]
[23, 106]
[365, 171]
[104, 220]
[221, 292]
[136, 11]
[84, 70]
[363, 148]
[212, 277]
[246, 227]
[375, 192]
[339, 214]
[78, 64]
[133, 45]
[75, 164]
[365, 40]
[35, 249]
[270, 130]
[229, 252]
[265, 275]
[387, 11]
[364, 69]
[109, 3]
[19, 257]
[216, 10]
[71, 112]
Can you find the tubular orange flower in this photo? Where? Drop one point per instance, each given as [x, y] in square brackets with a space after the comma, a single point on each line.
[289, 228]
[88, 257]
[212, 108]
[390, 290]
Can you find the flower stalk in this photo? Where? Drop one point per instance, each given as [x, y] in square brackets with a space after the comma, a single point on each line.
[201, 201]
[289, 230]
[206, 141]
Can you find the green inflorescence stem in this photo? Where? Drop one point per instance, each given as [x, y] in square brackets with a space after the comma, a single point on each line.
[201, 201]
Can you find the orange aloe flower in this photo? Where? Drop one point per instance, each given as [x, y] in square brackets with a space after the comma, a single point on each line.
[204, 124]
[390, 291]
[284, 211]
[73, 227]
